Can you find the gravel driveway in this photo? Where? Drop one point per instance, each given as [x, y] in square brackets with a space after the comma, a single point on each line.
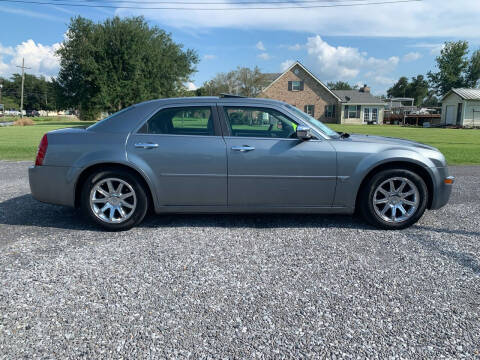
[221, 286]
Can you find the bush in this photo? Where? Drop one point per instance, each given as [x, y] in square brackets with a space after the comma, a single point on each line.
[24, 122]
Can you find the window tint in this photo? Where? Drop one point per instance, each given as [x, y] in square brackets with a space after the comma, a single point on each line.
[259, 122]
[180, 121]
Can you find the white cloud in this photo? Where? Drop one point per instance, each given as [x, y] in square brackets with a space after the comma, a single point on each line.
[286, 64]
[434, 48]
[6, 50]
[344, 63]
[260, 46]
[41, 59]
[457, 19]
[209, 57]
[264, 56]
[295, 47]
[412, 56]
[191, 86]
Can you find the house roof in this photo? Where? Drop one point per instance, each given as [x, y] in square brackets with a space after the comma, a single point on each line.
[465, 94]
[358, 97]
[309, 73]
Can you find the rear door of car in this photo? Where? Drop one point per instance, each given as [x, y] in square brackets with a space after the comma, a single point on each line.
[183, 149]
[268, 166]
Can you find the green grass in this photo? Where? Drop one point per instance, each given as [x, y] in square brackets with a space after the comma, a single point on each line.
[21, 142]
[460, 146]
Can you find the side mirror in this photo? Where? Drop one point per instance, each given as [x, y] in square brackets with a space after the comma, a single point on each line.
[304, 132]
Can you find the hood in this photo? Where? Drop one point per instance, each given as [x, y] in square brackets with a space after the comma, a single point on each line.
[388, 140]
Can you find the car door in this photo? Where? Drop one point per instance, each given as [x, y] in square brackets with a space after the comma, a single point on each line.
[182, 148]
[269, 167]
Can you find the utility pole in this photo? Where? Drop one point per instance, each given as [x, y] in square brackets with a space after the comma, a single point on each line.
[23, 83]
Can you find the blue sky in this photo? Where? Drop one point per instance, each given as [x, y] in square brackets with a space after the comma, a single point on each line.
[373, 44]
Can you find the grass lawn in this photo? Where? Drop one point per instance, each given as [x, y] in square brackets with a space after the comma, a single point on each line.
[461, 147]
[21, 142]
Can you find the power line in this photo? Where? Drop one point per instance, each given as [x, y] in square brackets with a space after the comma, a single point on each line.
[254, 2]
[209, 9]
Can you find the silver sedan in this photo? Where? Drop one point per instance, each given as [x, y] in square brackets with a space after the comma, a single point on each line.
[229, 155]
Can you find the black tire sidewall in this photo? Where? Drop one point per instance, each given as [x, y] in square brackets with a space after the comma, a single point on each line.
[142, 199]
[366, 206]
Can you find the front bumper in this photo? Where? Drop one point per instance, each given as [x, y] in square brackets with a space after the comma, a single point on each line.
[442, 188]
[52, 184]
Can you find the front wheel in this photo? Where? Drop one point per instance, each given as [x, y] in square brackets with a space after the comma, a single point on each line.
[114, 199]
[393, 199]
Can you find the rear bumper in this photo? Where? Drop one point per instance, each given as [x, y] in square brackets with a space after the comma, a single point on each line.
[442, 190]
[51, 184]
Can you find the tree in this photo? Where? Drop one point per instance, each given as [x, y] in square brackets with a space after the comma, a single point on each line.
[111, 65]
[39, 93]
[341, 85]
[242, 81]
[417, 89]
[456, 70]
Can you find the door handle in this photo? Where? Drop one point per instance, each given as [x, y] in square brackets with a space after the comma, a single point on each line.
[243, 148]
[146, 145]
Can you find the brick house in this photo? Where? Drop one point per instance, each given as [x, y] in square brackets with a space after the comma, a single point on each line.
[299, 87]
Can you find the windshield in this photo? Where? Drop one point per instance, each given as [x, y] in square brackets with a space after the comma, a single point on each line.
[312, 121]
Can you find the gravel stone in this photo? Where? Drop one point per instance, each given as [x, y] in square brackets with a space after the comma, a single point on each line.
[238, 286]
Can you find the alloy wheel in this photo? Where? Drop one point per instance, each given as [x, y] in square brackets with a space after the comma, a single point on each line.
[396, 199]
[113, 200]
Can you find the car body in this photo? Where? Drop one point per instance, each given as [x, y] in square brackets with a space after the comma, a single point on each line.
[236, 155]
[32, 113]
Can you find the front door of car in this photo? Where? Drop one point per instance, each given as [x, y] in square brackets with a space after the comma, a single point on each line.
[269, 167]
[182, 148]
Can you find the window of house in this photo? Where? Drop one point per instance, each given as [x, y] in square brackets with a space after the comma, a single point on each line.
[374, 114]
[330, 111]
[310, 110]
[180, 121]
[259, 122]
[295, 85]
[352, 111]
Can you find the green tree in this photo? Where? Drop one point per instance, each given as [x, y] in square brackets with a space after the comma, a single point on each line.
[455, 68]
[111, 65]
[417, 89]
[39, 92]
[341, 85]
[242, 81]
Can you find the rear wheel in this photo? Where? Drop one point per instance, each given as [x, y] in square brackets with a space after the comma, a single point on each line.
[393, 199]
[114, 199]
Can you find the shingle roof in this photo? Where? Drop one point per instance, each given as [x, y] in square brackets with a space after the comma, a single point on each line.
[358, 97]
[465, 94]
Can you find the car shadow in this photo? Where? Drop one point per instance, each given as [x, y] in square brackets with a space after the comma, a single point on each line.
[24, 210]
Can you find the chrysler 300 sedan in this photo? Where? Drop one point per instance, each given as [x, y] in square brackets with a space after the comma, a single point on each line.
[230, 155]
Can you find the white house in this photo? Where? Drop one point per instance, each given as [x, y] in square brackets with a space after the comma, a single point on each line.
[461, 107]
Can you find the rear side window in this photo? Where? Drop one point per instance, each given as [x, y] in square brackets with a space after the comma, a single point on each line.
[181, 121]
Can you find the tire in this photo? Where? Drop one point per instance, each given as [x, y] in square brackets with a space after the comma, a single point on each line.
[128, 202]
[397, 209]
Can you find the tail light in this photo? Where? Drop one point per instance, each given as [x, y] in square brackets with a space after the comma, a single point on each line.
[42, 151]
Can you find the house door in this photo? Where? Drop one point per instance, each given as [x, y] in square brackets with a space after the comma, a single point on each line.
[459, 114]
[450, 115]
[370, 115]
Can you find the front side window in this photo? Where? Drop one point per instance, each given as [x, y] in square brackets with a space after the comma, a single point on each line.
[181, 121]
[374, 114]
[296, 85]
[259, 122]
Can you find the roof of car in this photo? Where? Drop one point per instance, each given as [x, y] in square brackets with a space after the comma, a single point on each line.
[217, 99]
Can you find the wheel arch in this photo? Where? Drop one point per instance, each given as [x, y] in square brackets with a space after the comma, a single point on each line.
[404, 165]
[111, 165]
